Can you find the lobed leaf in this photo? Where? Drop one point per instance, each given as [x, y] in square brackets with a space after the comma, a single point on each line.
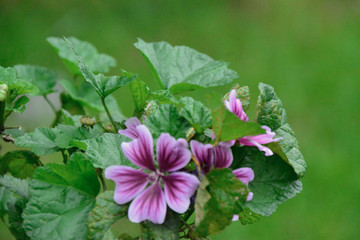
[196, 113]
[96, 62]
[270, 112]
[166, 119]
[181, 68]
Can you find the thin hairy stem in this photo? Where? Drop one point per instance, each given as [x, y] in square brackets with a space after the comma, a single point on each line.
[108, 113]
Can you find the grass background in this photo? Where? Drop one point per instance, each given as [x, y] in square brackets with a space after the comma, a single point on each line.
[308, 50]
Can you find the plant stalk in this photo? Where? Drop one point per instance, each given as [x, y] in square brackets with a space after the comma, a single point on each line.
[2, 117]
[108, 113]
[50, 104]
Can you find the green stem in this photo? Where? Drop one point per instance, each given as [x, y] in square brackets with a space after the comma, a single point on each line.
[2, 117]
[65, 158]
[108, 113]
[50, 104]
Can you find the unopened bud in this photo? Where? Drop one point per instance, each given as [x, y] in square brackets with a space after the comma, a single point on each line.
[3, 92]
[87, 121]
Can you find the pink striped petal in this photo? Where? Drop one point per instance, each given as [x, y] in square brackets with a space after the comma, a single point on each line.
[247, 141]
[223, 157]
[203, 153]
[172, 154]
[129, 182]
[131, 131]
[149, 205]
[179, 188]
[234, 106]
[140, 151]
[244, 174]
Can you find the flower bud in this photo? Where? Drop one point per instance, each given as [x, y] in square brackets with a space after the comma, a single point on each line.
[87, 121]
[3, 92]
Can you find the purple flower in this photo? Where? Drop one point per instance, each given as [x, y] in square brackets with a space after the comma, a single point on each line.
[131, 131]
[153, 188]
[234, 106]
[220, 157]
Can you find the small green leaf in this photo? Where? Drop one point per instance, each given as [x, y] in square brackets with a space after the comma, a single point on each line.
[196, 113]
[68, 119]
[20, 163]
[16, 86]
[41, 141]
[216, 204]
[227, 126]
[275, 180]
[105, 213]
[166, 119]
[272, 114]
[181, 68]
[140, 93]
[105, 150]
[41, 77]
[18, 105]
[248, 217]
[96, 62]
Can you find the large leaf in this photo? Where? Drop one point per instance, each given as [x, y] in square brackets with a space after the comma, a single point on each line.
[196, 113]
[275, 180]
[20, 163]
[181, 68]
[41, 77]
[19, 186]
[41, 141]
[166, 119]
[105, 150]
[96, 62]
[271, 113]
[227, 126]
[105, 213]
[61, 199]
[217, 200]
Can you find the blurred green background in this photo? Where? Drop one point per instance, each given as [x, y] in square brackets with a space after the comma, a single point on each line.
[308, 50]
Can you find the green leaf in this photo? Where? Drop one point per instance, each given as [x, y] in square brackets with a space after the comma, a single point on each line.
[41, 141]
[275, 180]
[196, 113]
[216, 204]
[140, 93]
[79, 174]
[227, 126]
[62, 197]
[6, 197]
[181, 68]
[19, 186]
[96, 62]
[68, 119]
[16, 86]
[243, 94]
[71, 136]
[248, 217]
[42, 78]
[20, 163]
[15, 218]
[166, 119]
[86, 96]
[105, 213]
[18, 105]
[105, 150]
[272, 114]
[169, 230]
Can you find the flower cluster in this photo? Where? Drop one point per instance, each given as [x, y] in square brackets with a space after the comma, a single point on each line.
[161, 183]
